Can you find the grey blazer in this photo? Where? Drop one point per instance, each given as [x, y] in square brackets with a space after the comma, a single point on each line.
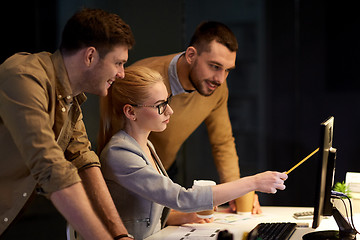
[140, 193]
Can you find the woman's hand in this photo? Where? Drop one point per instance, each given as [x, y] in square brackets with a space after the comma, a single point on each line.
[177, 218]
[270, 182]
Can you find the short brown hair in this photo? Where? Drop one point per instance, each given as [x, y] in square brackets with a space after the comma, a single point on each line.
[209, 31]
[96, 28]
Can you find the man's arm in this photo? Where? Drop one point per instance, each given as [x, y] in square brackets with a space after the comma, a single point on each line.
[74, 205]
[101, 200]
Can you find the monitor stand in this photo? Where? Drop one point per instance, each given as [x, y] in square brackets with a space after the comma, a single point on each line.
[346, 232]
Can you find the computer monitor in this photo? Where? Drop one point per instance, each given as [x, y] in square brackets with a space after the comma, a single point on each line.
[325, 173]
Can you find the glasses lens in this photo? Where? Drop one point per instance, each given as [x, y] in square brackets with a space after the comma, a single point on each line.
[162, 106]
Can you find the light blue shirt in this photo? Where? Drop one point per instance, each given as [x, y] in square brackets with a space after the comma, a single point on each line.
[175, 84]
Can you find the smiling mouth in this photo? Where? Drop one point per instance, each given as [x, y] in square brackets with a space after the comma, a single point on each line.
[110, 81]
[212, 85]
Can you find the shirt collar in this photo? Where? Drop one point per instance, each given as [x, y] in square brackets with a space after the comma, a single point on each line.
[175, 84]
[63, 87]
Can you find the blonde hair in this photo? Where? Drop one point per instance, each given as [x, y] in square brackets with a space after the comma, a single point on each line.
[132, 89]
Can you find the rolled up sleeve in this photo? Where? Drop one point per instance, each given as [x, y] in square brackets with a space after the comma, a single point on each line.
[25, 104]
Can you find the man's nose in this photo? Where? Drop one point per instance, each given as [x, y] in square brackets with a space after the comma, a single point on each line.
[121, 73]
[220, 77]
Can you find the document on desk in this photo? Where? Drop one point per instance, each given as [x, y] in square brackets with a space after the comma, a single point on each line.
[190, 233]
[235, 219]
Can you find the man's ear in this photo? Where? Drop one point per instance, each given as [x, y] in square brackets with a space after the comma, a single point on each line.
[190, 54]
[89, 57]
[129, 112]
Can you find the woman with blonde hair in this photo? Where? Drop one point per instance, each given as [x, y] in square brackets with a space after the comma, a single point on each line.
[138, 183]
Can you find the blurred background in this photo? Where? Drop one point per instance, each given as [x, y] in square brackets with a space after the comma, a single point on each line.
[297, 64]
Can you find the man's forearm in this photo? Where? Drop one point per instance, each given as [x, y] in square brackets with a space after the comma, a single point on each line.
[73, 203]
[101, 200]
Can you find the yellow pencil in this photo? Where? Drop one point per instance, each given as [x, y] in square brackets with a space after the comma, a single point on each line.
[299, 163]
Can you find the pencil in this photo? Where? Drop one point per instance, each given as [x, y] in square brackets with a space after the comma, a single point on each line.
[299, 163]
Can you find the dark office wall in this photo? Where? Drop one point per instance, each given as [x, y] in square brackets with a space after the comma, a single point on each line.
[27, 26]
[312, 61]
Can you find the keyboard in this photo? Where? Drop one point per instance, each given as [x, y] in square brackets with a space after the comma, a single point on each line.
[272, 231]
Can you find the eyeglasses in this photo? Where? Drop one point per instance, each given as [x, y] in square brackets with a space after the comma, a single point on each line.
[161, 107]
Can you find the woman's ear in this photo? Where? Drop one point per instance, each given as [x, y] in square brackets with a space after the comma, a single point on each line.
[129, 112]
[190, 54]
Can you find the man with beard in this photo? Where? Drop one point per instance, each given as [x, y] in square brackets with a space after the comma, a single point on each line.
[196, 79]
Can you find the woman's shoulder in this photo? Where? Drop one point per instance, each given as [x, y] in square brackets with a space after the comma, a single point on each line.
[121, 147]
[123, 139]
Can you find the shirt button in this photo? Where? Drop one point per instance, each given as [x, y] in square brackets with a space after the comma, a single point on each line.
[63, 109]
[24, 194]
[6, 219]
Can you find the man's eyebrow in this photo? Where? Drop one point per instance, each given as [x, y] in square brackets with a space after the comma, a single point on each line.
[216, 63]
[219, 64]
[121, 60]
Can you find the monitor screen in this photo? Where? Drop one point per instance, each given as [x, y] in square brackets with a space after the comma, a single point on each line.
[325, 172]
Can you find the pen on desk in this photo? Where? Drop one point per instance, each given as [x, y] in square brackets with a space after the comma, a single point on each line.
[299, 163]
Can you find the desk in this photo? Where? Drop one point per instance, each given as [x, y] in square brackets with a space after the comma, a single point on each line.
[238, 225]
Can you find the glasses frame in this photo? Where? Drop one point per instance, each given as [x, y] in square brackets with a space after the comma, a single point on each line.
[159, 106]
